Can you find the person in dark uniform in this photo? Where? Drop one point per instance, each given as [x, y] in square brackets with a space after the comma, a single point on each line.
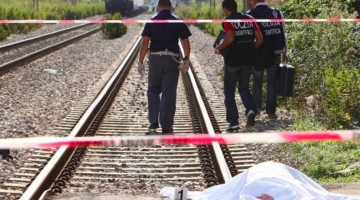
[241, 41]
[164, 61]
[274, 38]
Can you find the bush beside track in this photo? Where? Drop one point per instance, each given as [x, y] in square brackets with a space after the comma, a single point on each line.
[327, 92]
[112, 31]
[46, 9]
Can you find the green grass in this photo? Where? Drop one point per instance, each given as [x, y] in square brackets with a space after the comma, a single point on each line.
[320, 160]
[324, 74]
[303, 121]
[203, 11]
[275, 3]
[46, 9]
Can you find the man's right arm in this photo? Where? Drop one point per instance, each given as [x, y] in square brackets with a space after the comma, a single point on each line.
[144, 48]
[187, 48]
[258, 36]
[146, 35]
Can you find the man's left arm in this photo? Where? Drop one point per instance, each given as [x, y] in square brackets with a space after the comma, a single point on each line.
[184, 36]
[187, 48]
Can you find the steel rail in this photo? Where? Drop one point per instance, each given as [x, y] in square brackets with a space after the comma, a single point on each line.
[52, 170]
[220, 161]
[51, 173]
[47, 50]
[21, 43]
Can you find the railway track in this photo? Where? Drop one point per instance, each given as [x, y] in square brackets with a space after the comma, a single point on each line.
[25, 51]
[119, 107]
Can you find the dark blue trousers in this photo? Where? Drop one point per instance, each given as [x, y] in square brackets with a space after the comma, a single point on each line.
[240, 75]
[163, 79]
[271, 87]
[4, 152]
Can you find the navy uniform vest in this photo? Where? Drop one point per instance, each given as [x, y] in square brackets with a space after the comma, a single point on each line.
[166, 35]
[242, 49]
[272, 32]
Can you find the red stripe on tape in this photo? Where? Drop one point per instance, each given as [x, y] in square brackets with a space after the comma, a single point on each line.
[130, 21]
[4, 21]
[333, 20]
[197, 139]
[97, 21]
[312, 137]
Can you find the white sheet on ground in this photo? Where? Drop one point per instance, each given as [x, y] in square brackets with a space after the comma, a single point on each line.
[275, 179]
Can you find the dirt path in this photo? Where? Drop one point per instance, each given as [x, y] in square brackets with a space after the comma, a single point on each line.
[343, 188]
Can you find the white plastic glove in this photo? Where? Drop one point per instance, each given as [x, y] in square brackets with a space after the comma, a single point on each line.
[181, 65]
[186, 66]
[141, 69]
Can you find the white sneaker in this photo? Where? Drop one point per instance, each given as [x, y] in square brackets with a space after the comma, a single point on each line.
[232, 128]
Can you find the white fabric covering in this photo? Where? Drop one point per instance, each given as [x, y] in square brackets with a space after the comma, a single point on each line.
[275, 179]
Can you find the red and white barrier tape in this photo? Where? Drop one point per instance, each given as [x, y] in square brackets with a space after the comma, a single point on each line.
[135, 21]
[198, 139]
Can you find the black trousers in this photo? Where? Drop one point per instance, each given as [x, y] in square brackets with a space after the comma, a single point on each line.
[4, 152]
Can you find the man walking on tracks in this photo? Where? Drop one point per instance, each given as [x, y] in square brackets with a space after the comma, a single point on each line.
[274, 38]
[164, 63]
[239, 59]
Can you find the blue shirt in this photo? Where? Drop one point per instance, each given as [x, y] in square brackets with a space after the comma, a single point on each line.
[165, 35]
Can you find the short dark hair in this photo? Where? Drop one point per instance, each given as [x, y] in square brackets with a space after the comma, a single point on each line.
[231, 5]
[164, 3]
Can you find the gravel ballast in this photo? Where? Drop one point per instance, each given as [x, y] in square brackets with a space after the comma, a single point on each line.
[37, 96]
[212, 66]
[25, 50]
